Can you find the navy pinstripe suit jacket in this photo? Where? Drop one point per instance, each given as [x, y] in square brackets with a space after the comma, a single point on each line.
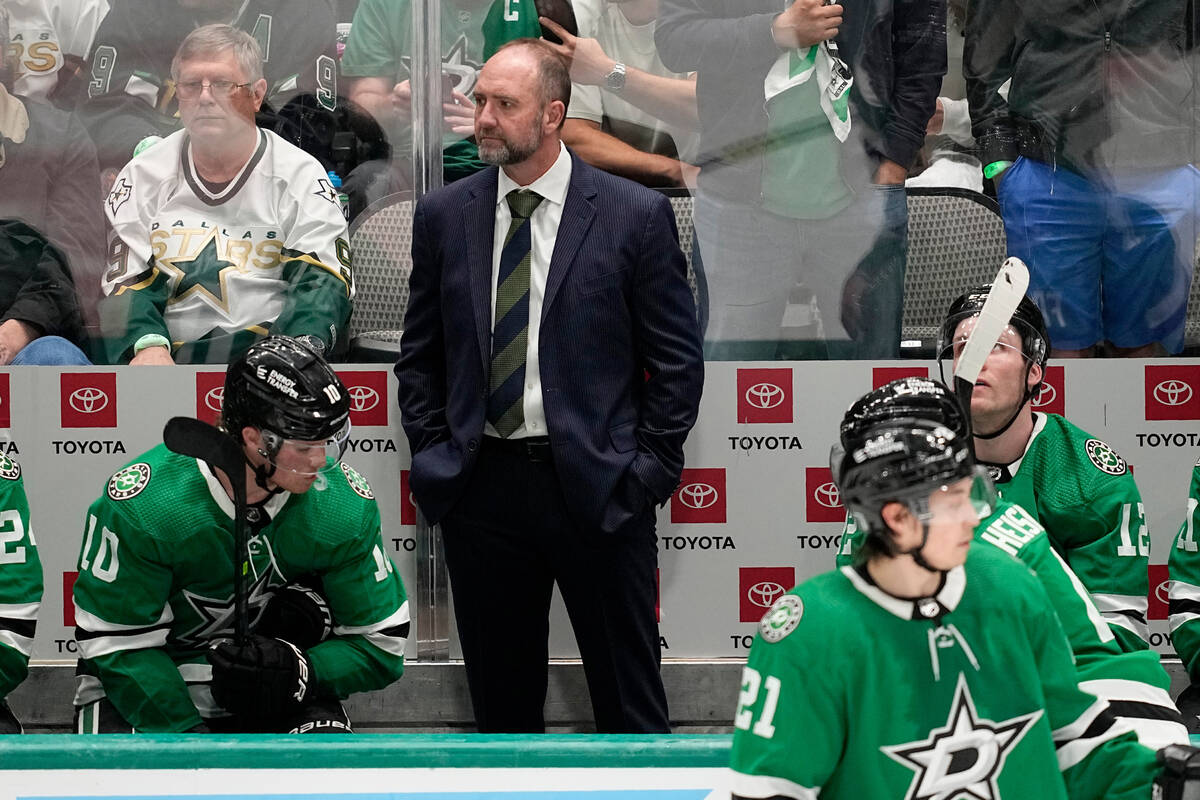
[617, 308]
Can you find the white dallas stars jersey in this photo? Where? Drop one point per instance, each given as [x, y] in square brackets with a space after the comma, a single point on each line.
[43, 32]
[852, 693]
[213, 269]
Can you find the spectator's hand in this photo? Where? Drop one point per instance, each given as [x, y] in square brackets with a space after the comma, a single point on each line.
[590, 65]
[14, 336]
[890, 173]
[691, 175]
[934, 126]
[402, 100]
[153, 355]
[805, 23]
[458, 116]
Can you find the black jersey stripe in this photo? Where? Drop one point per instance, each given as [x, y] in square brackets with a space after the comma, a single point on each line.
[21, 627]
[1183, 606]
[1139, 710]
[1103, 721]
[396, 631]
[83, 635]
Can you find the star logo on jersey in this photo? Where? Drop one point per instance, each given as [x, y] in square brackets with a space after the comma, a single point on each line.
[1104, 457]
[325, 189]
[203, 273]
[964, 759]
[216, 616]
[357, 482]
[9, 469]
[119, 195]
[129, 482]
[456, 65]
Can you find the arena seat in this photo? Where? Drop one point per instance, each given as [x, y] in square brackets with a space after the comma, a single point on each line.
[381, 246]
[684, 206]
[955, 240]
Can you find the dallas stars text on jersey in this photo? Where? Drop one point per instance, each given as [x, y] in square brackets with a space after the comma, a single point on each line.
[156, 586]
[1135, 681]
[214, 270]
[20, 578]
[851, 693]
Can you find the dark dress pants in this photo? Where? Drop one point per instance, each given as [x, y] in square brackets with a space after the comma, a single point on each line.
[507, 541]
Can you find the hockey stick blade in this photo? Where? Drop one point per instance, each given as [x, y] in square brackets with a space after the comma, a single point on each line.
[191, 437]
[1007, 290]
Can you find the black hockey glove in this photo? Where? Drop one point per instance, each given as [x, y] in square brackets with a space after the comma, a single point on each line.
[296, 614]
[263, 678]
[1179, 778]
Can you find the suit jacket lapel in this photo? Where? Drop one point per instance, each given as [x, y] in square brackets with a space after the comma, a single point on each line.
[479, 215]
[577, 216]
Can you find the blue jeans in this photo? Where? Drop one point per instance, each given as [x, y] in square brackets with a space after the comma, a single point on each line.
[51, 351]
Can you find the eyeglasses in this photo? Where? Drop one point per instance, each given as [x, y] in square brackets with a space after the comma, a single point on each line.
[192, 89]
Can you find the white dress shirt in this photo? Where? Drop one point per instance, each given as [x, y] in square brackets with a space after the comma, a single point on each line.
[552, 186]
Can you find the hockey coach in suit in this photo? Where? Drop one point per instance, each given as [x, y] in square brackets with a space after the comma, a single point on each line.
[549, 373]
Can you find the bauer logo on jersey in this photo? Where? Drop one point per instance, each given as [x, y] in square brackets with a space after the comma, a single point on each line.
[129, 482]
[9, 469]
[120, 194]
[964, 758]
[1105, 458]
[764, 395]
[782, 619]
[357, 482]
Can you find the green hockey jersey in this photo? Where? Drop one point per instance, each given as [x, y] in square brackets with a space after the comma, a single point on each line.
[1134, 681]
[1183, 564]
[155, 586]
[852, 693]
[1084, 495]
[20, 578]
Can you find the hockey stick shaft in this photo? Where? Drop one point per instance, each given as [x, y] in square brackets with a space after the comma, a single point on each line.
[1007, 290]
[191, 437]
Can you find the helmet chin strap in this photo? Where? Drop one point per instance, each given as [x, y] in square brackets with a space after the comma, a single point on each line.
[263, 472]
[917, 552]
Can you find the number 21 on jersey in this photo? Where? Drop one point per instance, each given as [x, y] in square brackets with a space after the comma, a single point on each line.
[752, 682]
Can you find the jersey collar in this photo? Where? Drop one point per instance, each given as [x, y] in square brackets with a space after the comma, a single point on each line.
[1003, 473]
[943, 602]
[222, 499]
[197, 186]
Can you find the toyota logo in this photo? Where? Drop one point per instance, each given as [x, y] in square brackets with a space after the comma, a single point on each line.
[764, 593]
[363, 398]
[215, 398]
[764, 395]
[1163, 592]
[1173, 392]
[1045, 396]
[827, 495]
[698, 495]
[88, 400]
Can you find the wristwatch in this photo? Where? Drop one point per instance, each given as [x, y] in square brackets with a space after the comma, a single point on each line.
[615, 80]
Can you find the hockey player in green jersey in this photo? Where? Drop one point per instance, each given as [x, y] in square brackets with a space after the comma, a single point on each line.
[1183, 565]
[931, 668]
[1135, 683]
[20, 587]
[154, 600]
[1074, 484]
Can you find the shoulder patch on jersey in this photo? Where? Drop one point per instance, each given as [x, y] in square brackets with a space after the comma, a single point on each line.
[357, 482]
[782, 618]
[9, 469]
[1105, 458]
[119, 195]
[129, 482]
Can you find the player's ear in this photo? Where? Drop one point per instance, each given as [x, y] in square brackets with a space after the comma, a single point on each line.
[901, 522]
[1035, 376]
[252, 438]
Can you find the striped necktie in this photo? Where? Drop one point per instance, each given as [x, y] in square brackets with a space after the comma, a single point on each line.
[510, 333]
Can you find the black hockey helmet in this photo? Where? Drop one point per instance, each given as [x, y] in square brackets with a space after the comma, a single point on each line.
[1027, 321]
[282, 386]
[901, 443]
